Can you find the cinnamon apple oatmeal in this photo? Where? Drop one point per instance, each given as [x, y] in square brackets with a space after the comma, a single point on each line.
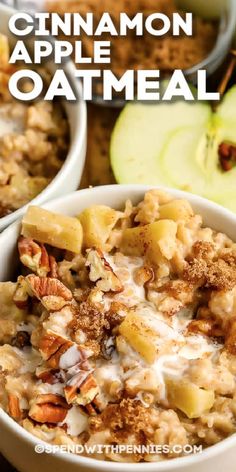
[120, 329]
[33, 141]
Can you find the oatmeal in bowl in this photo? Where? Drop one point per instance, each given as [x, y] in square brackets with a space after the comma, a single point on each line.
[34, 140]
[42, 143]
[118, 328]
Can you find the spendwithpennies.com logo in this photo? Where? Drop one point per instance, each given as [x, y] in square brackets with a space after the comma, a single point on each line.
[118, 449]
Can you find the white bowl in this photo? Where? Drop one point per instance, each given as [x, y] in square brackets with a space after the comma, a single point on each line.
[15, 442]
[69, 176]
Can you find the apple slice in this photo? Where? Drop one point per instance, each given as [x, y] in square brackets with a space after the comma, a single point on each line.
[142, 133]
[177, 145]
[186, 142]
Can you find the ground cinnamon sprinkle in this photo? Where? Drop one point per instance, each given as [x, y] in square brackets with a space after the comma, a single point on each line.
[128, 416]
[218, 274]
[146, 52]
[91, 320]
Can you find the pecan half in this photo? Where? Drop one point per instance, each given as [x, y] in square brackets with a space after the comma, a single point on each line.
[53, 347]
[50, 291]
[101, 272]
[49, 408]
[34, 256]
[51, 343]
[81, 389]
[14, 407]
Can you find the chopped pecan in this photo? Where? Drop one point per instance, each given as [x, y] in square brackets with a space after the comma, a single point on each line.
[50, 291]
[50, 343]
[60, 352]
[53, 267]
[91, 409]
[101, 272]
[73, 385]
[49, 408]
[50, 376]
[73, 357]
[21, 295]
[81, 389]
[14, 407]
[34, 256]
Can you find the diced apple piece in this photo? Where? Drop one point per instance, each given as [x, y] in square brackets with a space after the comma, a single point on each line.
[189, 398]
[63, 232]
[133, 241]
[140, 336]
[160, 240]
[155, 240]
[97, 222]
[176, 210]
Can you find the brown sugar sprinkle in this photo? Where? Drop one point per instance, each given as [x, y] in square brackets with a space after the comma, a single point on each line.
[219, 274]
[203, 250]
[91, 320]
[146, 52]
[129, 416]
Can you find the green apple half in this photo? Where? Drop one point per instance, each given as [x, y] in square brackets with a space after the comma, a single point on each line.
[176, 145]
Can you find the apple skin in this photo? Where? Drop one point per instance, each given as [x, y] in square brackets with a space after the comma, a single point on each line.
[177, 145]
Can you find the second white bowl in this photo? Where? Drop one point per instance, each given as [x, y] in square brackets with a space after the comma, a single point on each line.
[69, 176]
